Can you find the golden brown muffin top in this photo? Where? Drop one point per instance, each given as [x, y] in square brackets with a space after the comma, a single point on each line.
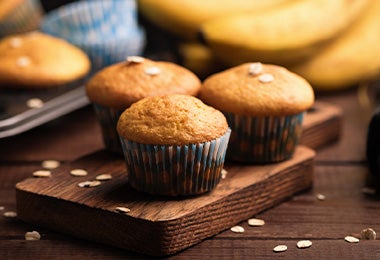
[171, 120]
[256, 89]
[37, 60]
[124, 83]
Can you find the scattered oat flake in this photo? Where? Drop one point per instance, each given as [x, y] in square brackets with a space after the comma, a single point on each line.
[368, 191]
[255, 68]
[304, 244]
[152, 71]
[135, 59]
[351, 239]
[50, 164]
[15, 42]
[42, 173]
[122, 209]
[87, 184]
[368, 234]
[237, 229]
[104, 177]
[23, 61]
[280, 248]
[224, 173]
[320, 196]
[34, 235]
[10, 214]
[266, 78]
[34, 103]
[78, 172]
[255, 222]
[2, 208]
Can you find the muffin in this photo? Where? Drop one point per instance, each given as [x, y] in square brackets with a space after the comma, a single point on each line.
[173, 145]
[264, 105]
[37, 60]
[107, 31]
[18, 16]
[116, 87]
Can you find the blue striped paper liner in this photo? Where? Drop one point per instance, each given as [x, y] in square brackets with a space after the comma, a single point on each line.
[108, 118]
[93, 19]
[26, 17]
[107, 31]
[263, 139]
[175, 170]
[114, 51]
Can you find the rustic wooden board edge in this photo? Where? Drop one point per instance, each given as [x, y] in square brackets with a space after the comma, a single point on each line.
[173, 235]
[322, 125]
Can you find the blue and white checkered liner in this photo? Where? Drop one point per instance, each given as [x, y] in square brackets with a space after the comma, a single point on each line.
[107, 30]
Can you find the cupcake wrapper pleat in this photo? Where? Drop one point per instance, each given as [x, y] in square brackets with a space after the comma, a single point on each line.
[108, 118]
[108, 53]
[175, 169]
[26, 17]
[263, 139]
[93, 18]
[107, 31]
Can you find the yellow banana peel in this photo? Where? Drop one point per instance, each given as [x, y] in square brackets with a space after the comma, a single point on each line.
[184, 17]
[282, 34]
[352, 58]
[198, 58]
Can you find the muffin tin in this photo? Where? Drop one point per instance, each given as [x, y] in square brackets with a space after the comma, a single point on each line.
[16, 117]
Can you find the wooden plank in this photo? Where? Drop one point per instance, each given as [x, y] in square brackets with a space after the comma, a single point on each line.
[156, 225]
[322, 125]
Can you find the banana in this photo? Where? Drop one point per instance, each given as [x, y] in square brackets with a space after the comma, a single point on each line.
[351, 59]
[198, 58]
[281, 35]
[184, 17]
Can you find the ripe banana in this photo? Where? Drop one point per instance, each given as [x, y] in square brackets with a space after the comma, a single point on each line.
[282, 34]
[352, 58]
[184, 17]
[198, 58]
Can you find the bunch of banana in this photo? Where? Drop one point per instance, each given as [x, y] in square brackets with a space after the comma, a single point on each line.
[185, 17]
[332, 43]
[198, 58]
[281, 35]
[352, 58]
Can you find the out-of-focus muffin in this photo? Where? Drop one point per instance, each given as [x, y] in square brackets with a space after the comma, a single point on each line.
[173, 145]
[18, 16]
[116, 87]
[107, 31]
[37, 60]
[264, 105]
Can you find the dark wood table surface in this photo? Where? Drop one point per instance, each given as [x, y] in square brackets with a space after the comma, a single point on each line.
[340, 175]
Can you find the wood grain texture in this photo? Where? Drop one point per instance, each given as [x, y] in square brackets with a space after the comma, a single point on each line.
[155, 225]
[322, 125]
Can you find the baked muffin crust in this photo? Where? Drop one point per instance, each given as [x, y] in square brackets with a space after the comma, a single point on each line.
[256, 89]
[38, 60]
[171, 120]
[124, 83]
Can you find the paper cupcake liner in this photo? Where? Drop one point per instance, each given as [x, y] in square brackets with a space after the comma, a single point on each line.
[93, 19]
[26, 17]
[108, 118]
[107, 31]
[263, 139]
[175, 170]
[111, 52]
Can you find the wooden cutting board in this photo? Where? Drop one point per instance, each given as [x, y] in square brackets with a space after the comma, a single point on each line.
[155, 225]
[161, 225]
[322, 125]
